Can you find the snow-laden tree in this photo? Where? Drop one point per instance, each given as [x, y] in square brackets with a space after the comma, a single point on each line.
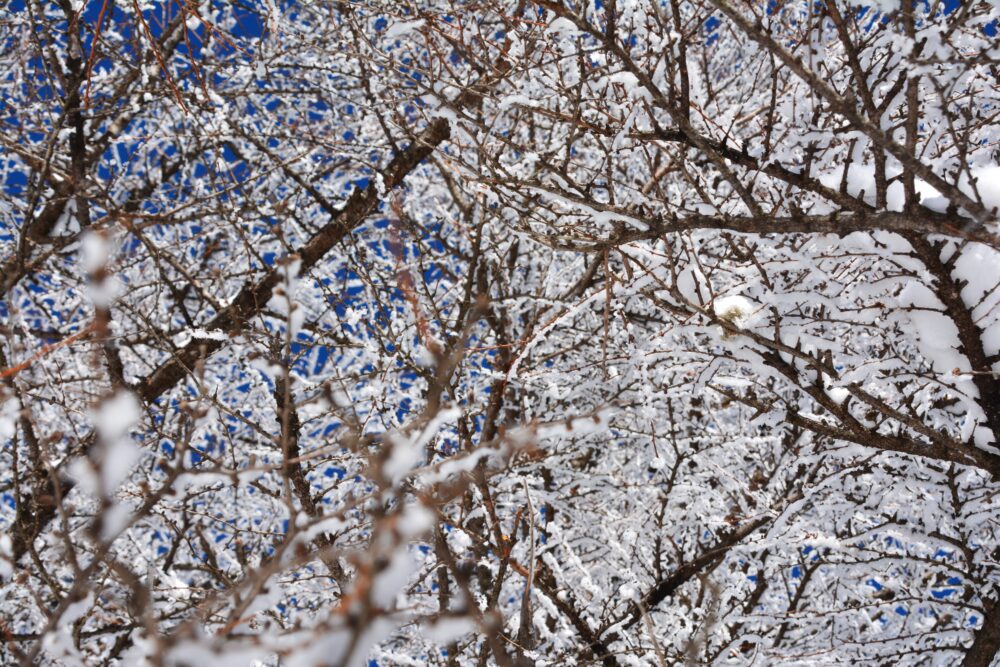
[514, 332]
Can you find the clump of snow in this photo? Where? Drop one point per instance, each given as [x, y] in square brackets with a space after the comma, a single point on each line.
[116, 454]
[885, 6]
[67, 223]
[408, 452]
[8, 417]
[400, 29]
[861, 180]
[459, 541]
[392, 579]
[94, 251]
[415, 521]
[117, 415]
[283, 299]
[184, 337]
[446, 630]
[733, 309]
[837, 394]
[6, 554]
[60, 643]
[562, 28]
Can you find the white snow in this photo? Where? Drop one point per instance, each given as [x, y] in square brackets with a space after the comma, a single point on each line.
[733, 309]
